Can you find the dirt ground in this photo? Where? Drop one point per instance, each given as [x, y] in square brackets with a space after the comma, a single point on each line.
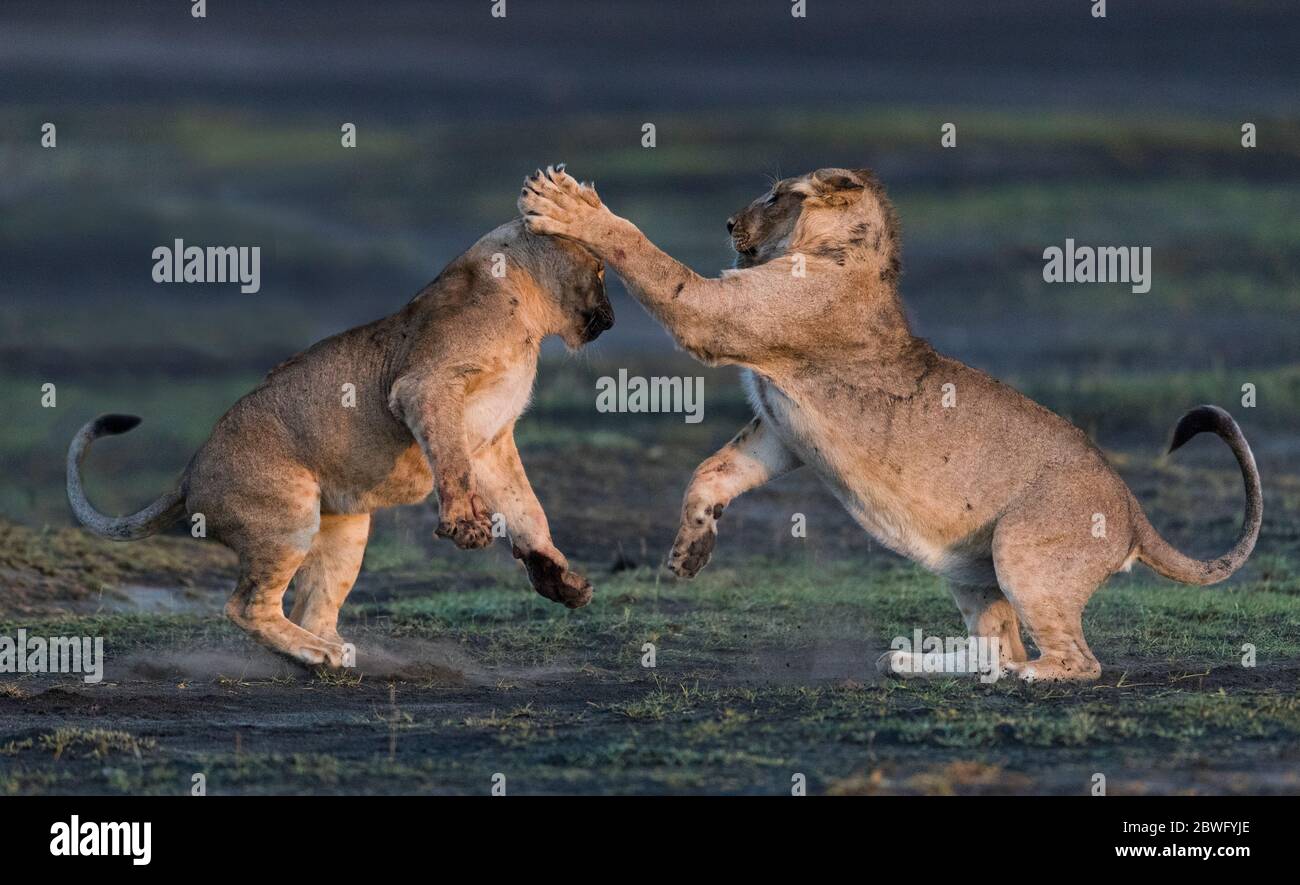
[764, 670]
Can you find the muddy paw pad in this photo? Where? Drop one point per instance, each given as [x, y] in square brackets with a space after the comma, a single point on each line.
[554, 581]
[689, 558]
[468, 534]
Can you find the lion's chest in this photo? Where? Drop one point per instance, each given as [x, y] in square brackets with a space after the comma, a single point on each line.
[497, 401]
[841, 453]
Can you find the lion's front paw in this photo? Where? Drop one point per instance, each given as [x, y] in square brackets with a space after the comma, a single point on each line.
[695, 539]
[551, 577]
[466, 522]
[554, 203]
[691, 552]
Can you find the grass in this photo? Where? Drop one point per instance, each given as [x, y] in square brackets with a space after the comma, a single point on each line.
[95, 743]
[51, 567]
[765, 602]
[761, 671]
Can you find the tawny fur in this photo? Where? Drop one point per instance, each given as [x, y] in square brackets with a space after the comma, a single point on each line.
[1010, 502]
[290, 475]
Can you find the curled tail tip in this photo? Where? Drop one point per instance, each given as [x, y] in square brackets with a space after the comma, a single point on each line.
[111, 425]
[1156, 552]
[1200, 420]
[161, 513]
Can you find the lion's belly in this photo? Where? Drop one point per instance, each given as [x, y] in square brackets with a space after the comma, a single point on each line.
[863, 485]
[404, 477]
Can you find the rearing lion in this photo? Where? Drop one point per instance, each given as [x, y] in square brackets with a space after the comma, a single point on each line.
[423, 400]
[937, 460]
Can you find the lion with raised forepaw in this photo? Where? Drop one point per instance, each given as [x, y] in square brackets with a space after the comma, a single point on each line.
[420, 401]
[936, 460]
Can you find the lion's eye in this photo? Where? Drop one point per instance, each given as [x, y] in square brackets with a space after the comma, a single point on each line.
[771, 200]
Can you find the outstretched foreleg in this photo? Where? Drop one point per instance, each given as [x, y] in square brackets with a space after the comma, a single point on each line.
[752, 458]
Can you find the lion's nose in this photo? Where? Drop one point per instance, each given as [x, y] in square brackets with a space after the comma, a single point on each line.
[731, 224]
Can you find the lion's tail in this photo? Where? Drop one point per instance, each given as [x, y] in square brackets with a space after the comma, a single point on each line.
[152, 519]
[1156, 552]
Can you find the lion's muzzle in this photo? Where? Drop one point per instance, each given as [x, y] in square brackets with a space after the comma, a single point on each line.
[597, 321]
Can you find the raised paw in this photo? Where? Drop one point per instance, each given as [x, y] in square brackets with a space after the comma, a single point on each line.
[554, 203]
[695, 540]
[551, 577]
[467, 534]
[467, 523]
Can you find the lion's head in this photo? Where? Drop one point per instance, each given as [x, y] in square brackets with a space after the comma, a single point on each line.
[841, 214]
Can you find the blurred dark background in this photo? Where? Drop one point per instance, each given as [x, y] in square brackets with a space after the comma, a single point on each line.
[225, 131]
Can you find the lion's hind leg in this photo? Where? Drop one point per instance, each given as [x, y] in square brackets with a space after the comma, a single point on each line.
[1051, 551]
[327, 574]
[989, 614]
[257, 607]
[271, 521]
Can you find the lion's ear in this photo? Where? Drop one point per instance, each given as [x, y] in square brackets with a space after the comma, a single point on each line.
[836, 187]
[837, 180]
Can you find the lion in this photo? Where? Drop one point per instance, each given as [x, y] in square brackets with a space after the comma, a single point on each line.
[423, 400]
[1010, 503]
